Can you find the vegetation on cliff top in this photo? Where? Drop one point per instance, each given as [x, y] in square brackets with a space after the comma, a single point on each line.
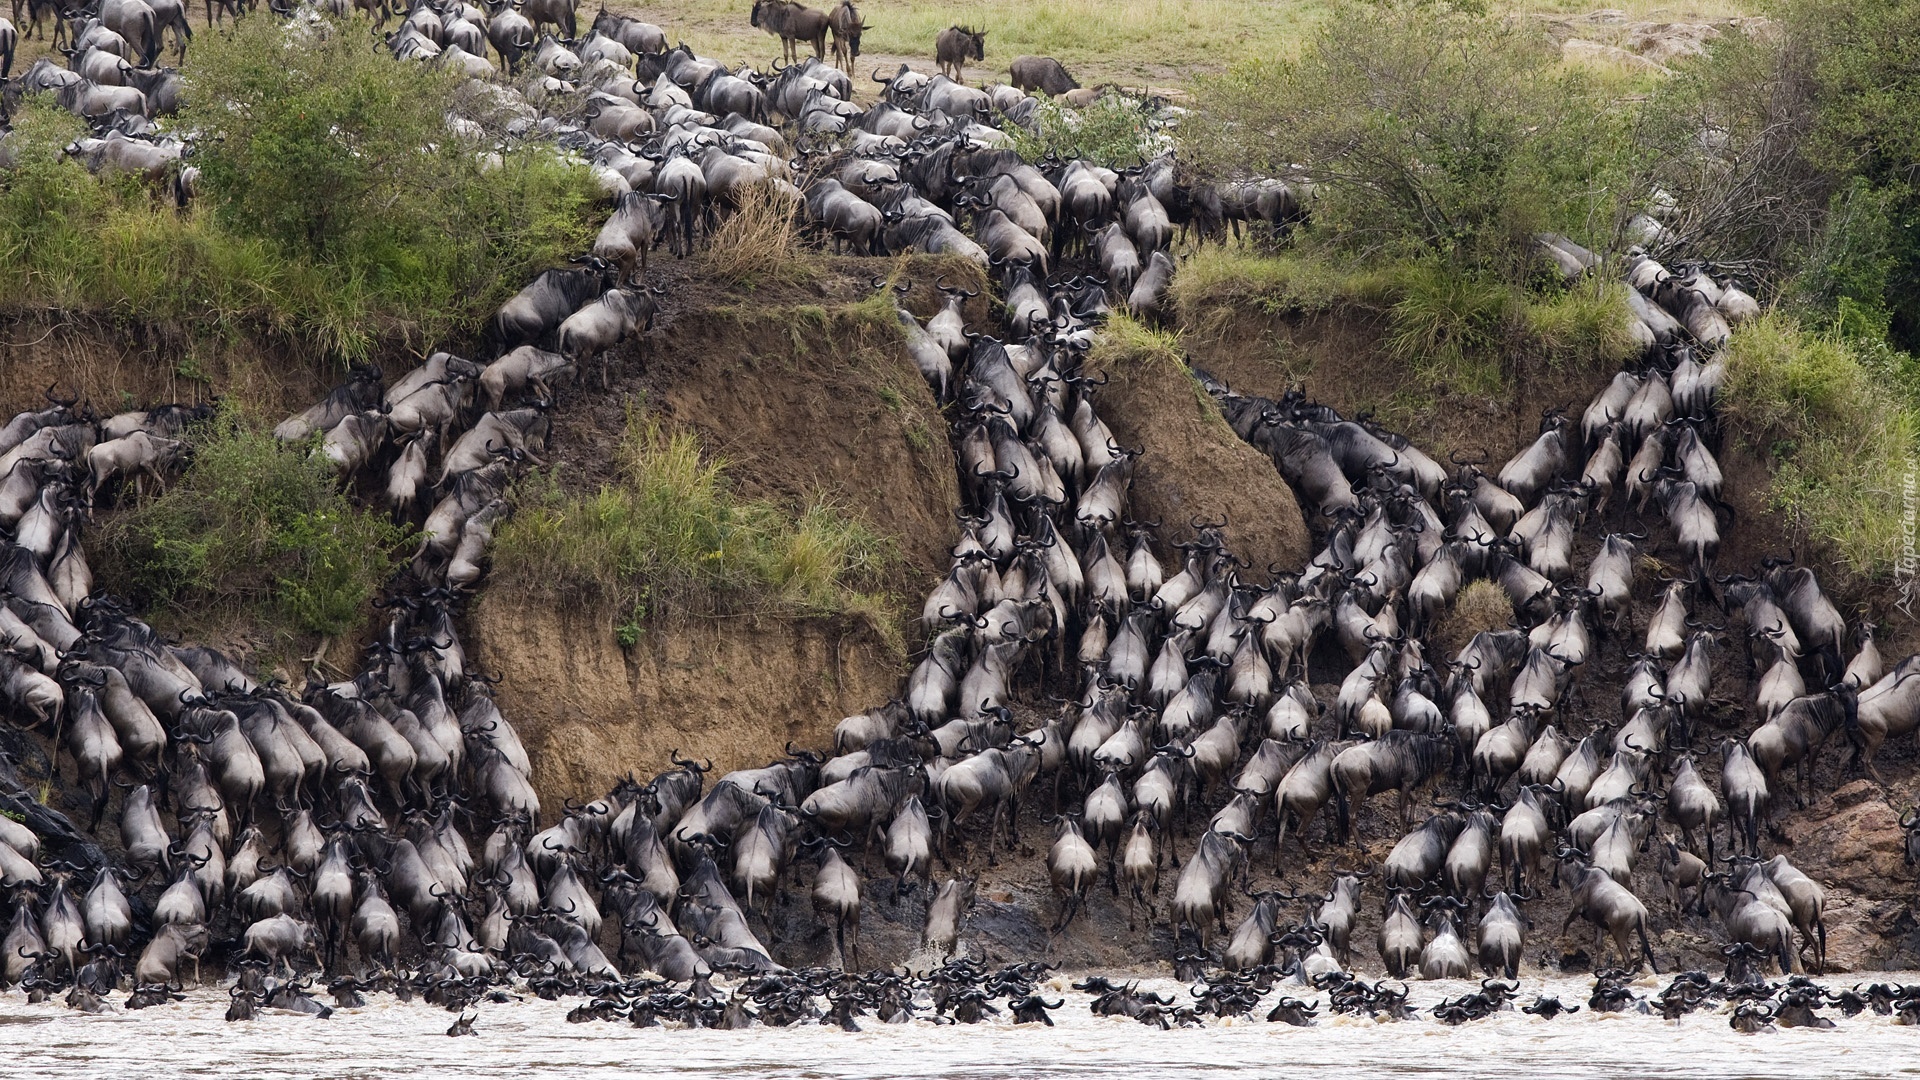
[335, 202]
[1435, 141]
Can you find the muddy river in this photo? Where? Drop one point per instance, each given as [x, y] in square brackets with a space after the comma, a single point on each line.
[530, 1040]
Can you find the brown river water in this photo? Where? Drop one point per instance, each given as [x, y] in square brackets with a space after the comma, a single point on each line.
[531, 1040]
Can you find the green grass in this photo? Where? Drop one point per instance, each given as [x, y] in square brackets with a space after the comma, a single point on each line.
[671, 537]
[1837, 422]
[1125, 340]
[1586, 326]
[1289, 281]
[1448, 327]
[253, 526]
[1445, 325]
[1128, 41]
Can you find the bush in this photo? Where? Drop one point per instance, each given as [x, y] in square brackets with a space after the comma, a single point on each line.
[1114, 131]
[672, 536]
[1790, 154]
[1837, 423]
[335, 203]
[1427, 131]
[253, 523]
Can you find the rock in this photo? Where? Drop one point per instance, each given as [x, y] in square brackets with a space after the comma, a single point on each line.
[1661, 43]
[1593, 51]
[1854, 842]
[1851, 842]
[1856, 793]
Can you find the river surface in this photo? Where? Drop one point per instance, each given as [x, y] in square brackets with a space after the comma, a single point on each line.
[530, 1040]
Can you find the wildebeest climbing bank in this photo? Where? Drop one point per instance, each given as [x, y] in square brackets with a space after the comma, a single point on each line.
[1065, 534]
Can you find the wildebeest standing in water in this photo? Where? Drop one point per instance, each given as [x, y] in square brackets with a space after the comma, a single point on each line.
[792, 23]
[955, 46]
[1042, 73]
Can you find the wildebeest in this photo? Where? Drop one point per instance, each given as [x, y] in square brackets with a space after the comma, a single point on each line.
[549, 300]
[847, 24]
[955, 46]
[792, 23]
[638, 37]
[1042, 73]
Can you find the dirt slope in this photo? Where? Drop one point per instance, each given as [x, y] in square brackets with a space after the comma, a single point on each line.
[734, 691]
[1194, 467]
[805, 395]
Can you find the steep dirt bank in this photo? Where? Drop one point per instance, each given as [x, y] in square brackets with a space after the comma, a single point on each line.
[1337, 357]
[1848, 836]
[806, 392]
[1193, 466]
[735, 691]
[113, 363]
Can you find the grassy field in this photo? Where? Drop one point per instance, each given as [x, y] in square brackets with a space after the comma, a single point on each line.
[1162, 42]
[1133, 42]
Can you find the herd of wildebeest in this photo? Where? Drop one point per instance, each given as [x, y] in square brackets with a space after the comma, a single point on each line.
[382, 832]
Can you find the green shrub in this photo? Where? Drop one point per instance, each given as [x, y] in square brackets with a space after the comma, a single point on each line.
[1427, 131]
[253, 523]
[1837, 424]
[335, 203]
[672, 536]
[1114, 131]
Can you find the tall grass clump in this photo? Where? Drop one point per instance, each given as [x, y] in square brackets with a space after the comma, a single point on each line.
[257, 526]
[759, 242]
[1837, 422]
[671, 536]
[1450, 326]
[1588, 325]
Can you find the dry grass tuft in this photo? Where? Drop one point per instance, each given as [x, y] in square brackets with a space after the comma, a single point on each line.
[759, 241]
[1480, 606]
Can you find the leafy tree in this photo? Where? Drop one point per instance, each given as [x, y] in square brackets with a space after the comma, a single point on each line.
[1791, 154]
